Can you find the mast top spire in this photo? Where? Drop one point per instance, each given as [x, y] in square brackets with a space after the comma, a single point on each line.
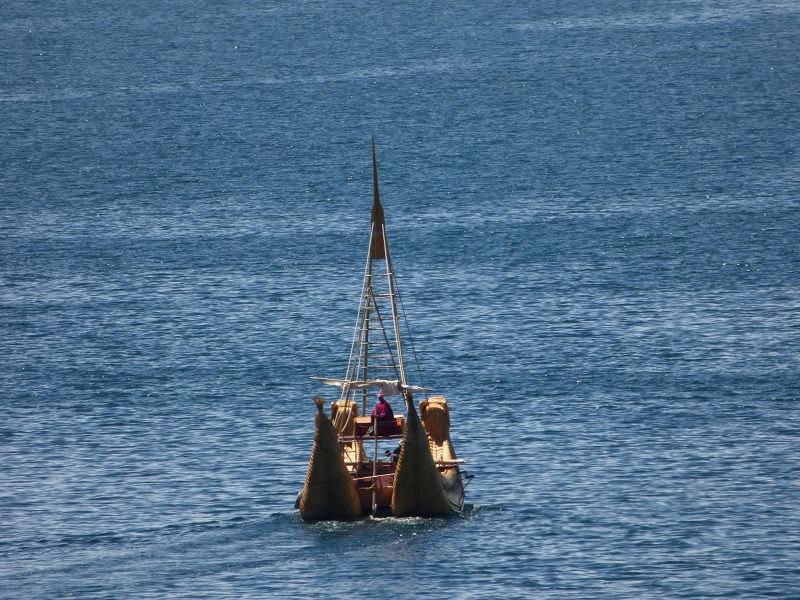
[377, 245]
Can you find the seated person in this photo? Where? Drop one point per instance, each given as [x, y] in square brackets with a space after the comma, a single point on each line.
[394, 454]
[384, 414]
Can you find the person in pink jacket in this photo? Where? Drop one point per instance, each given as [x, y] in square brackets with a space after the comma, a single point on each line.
[383, 410]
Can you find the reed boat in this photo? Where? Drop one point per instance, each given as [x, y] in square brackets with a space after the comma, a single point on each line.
[362, 464]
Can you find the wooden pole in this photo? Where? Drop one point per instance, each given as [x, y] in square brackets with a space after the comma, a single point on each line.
[375, 466]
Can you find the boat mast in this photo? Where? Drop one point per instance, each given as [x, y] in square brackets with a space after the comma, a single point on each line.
[370, 313]
[376, 202]
[365, 332]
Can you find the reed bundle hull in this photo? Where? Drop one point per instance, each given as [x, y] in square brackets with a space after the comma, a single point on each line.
[329, 491]
[418, 487]
[425, 480]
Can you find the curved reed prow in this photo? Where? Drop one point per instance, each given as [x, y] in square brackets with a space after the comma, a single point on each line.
[436, 419]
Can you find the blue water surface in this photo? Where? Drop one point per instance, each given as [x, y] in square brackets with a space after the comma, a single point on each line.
[593, 212]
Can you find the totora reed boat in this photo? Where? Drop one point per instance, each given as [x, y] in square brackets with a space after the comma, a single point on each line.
[352, 473]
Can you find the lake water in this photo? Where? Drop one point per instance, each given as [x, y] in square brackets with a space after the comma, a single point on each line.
[593, 211]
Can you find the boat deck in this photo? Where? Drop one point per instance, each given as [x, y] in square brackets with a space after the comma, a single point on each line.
[386, 430]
